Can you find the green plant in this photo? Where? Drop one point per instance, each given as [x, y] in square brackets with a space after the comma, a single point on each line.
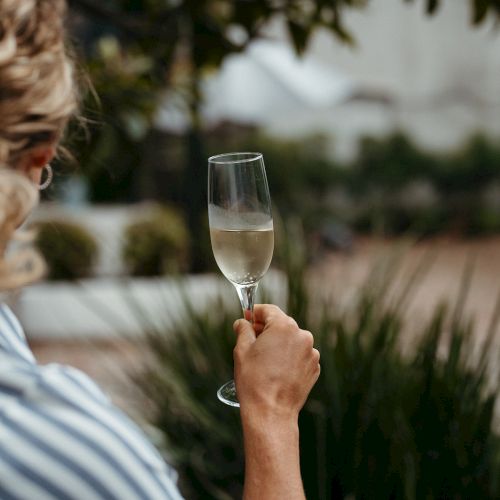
[385, 167]
[484, 221]
[131, 50]
[69, 249]
[382, 421]
[201, 437]
[156, 245]
[392, 426]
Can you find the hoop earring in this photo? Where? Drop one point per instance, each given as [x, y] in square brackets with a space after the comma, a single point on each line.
[46, 183]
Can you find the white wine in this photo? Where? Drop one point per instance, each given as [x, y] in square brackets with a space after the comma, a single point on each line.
[243, 256]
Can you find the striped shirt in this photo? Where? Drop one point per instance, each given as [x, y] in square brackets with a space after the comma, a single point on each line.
[61, 438]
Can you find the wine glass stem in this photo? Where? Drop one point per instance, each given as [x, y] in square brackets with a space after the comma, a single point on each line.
[246, 293]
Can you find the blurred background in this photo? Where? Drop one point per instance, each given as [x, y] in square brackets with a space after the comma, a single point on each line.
[379, 122]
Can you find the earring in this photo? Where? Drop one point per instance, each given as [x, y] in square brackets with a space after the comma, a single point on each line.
[46, 183]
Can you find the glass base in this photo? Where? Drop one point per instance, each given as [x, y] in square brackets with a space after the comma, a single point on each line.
[227, 394]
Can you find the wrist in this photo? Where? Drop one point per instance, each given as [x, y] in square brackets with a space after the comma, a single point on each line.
[269, 420]
[271, 440]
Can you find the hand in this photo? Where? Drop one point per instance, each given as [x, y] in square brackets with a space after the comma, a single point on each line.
[276, 364]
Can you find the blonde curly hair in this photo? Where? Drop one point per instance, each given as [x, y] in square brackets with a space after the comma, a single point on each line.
[18, 196]
[37, 97]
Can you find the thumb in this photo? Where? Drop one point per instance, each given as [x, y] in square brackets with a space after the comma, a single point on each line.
[244, 331]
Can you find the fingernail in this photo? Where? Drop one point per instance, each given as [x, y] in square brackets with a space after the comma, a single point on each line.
[235, 324]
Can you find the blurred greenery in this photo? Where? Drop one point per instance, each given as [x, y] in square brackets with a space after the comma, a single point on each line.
[137, 51]
[383, 421]
[479, 9]
[392, 186]
[156, 245]
[69, 249]
[378, 424]
[403, 188]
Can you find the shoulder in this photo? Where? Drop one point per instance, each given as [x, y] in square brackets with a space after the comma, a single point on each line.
[57, 423]
[12, 338]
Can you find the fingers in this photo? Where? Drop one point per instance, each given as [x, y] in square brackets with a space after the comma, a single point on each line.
[245, 333]
[316, 356]
[263, 313]
[267, 313]
[310, 351]
[258, 327]
[308, 338]
[272, 317]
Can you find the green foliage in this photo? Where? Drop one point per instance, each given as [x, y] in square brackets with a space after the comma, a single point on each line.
[471, 168]
[378, 424]
[156, 245]
[135, 51]
[479, 8]
[202, 436]
[386, 167]
[390, 163]
[69, 249]
[485, 221]
[119, 110]
[392, 187]
[157, 27]
[299, 172]
[389, 426]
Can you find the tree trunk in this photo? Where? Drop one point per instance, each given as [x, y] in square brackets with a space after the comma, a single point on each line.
[195, 182]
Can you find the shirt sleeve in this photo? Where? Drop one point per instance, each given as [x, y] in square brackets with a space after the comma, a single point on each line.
[63, 439]
[12, 337]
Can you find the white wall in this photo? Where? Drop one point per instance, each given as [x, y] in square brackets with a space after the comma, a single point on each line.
[113, 308]
[111, 304]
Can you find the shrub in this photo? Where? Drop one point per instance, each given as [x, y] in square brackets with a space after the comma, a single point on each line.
[390, 163]
[69, 249]
[378, 424]
[156, 245]
[201, 436]
[388, 166]
[394, 221]
[484, 221]
[299, 172]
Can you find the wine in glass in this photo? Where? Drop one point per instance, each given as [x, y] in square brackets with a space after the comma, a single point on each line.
[241, 229]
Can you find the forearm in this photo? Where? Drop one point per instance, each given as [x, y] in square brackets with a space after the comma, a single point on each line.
[272, 469]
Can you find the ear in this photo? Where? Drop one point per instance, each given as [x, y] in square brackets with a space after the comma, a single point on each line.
[40, 156]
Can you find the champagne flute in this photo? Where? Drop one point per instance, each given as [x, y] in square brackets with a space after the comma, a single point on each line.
[241, 229]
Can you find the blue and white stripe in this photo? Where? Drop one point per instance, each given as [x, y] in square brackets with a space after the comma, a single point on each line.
[12, 338]
[60, 437]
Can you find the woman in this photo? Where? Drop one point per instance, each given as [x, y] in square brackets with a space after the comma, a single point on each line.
[60, 437]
